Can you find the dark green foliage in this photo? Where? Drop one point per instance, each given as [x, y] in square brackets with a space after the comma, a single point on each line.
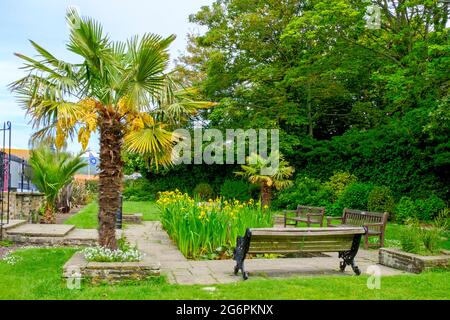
[355, 196]
[139, 190]
[423, 209]
[305, 191]
[429, 208]
[381, 199]
[344, 97]
[399, 155]
[204, 191]
[237, 189]
[405, 209]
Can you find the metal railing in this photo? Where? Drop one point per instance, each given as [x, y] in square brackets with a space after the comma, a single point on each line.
[5, 182]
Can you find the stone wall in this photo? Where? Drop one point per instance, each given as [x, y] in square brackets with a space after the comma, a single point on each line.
[111, 272]
[23, 205]
[410, 262]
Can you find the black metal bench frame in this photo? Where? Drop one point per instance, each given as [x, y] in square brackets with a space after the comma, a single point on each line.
[243, 245]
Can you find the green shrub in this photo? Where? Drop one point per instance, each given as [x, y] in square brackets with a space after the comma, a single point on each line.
[339, 181]
[305, 191]
[334, 209]
[420, 240]
[355, 196]
[204, 191]
[425, 210]
[429, 208]
[442, 220]
[431, 239]
[381, 199]
[236, 189]
[138, 190]
[405, 209]
[410, 237]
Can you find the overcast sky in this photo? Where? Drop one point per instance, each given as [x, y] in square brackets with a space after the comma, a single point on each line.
[43, 21]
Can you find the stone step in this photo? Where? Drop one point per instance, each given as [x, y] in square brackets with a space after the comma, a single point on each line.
[41, 230]
[74, 238]
[12, 224]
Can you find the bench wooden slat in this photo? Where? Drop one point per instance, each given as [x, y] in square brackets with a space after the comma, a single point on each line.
[299, 247]
[344, 240]
[307, 233]
[366, 219]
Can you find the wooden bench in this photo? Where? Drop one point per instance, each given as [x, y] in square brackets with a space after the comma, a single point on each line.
[344, 240]
[309, 215]
[375, 222]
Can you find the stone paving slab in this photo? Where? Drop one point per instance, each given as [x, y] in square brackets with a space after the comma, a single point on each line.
[13, 224]
[154, 241]
[41, 230]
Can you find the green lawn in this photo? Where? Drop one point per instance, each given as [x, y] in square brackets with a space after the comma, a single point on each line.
[37, 275]
[86, 218]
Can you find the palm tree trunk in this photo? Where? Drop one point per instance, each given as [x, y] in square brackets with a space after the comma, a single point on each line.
[110, 177]
[266, 194]
[49, 215]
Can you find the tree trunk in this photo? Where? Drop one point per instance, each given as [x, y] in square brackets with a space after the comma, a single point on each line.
[266, 195]
[110, 177]
[49, 216]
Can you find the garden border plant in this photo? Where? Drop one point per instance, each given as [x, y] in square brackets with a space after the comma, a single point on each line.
[209, 229]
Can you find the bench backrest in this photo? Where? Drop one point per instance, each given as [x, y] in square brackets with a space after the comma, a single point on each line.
[303, 210]
[359, 218]
[289, 240]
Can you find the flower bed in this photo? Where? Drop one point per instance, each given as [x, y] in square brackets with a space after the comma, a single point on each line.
[209, 229]
[124, 253]
[100, 254]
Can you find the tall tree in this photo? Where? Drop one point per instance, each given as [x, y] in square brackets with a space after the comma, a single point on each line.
[121, 89]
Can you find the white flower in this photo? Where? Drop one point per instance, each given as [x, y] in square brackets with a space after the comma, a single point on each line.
[101, 254]
[11, 259]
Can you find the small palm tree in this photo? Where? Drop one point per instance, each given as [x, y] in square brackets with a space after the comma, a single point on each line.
[52, 171]
[121, 89]
[260, 171]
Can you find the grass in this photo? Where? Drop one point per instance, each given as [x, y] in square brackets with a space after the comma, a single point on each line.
[393, 233]
[37, 275]
[86, 218]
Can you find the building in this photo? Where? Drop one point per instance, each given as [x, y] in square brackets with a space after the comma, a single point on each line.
[15, 171]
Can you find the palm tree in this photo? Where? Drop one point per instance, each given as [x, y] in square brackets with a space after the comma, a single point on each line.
[52, 171]
[260, 171]
[121, 89]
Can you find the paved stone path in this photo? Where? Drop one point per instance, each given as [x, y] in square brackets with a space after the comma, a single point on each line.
[154, 241]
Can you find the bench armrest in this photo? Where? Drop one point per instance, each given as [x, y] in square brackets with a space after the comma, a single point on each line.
[329, 219]
[380, 224]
